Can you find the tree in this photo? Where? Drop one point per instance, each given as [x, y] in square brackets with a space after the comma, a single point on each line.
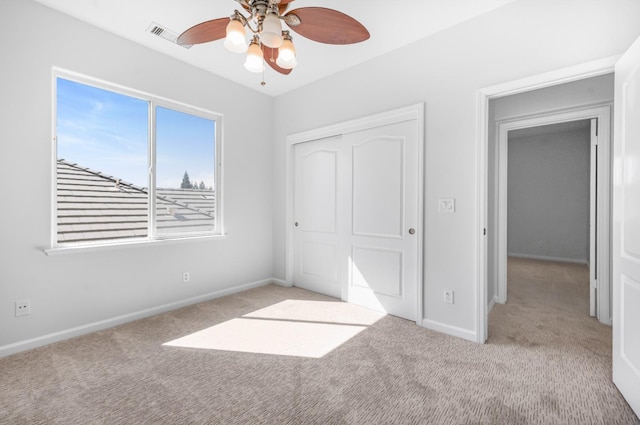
[186, 183]
[201, 186]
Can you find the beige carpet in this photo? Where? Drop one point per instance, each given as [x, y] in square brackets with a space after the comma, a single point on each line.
[546, 362]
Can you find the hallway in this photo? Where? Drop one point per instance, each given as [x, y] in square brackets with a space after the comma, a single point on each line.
[564, 353]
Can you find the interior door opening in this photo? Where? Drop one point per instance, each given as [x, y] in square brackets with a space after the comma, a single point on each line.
[618, 229]
[551, 214]
[553, 241]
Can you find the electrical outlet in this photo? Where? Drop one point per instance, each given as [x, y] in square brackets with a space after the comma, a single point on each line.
[448, 296]
[23, 307]
[185, 277]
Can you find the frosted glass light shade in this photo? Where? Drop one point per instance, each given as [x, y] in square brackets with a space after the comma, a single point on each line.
[271, 34]
[287, 55]
[287, 51]
[254, 61]
[290, 64]
[236, 40]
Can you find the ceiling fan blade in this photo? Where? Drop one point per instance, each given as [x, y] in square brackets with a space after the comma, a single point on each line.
[283, 5]
[270, 56]
[205, 32]
[328, 26]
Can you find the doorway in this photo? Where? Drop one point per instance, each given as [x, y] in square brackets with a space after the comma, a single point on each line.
[551, 214]
[623, 226]
[597, 126]
[563, 95]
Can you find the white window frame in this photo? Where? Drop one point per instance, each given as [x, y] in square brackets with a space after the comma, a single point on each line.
[153, 102]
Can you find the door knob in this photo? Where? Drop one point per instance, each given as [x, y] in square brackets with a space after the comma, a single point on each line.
[412, 231]
[295, 224]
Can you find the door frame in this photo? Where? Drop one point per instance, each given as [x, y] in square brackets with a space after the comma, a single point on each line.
[602, 190]
[412, 112]
[483, 95]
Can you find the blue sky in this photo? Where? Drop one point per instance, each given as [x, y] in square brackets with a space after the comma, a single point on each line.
[108, 132]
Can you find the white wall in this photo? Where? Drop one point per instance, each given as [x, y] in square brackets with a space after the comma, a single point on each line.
[577, 94]
[445, 71]
[548, 192]
[68, 291]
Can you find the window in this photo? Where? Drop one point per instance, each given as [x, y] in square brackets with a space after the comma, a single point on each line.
[132, 166]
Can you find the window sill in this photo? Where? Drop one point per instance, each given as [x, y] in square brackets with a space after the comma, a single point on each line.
[69, 249]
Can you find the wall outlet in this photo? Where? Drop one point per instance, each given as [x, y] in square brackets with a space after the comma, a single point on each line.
[23, 307]
[185, 277]
[448, 297]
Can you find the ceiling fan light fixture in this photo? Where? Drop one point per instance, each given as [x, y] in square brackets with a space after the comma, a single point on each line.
[286, 53]
[255, 57]
[260, 22]
[236, 40]
[271, 32]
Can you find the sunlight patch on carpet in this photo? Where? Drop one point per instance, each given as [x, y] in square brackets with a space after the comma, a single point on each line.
[300, 328]
[319, 311]
[277, 337]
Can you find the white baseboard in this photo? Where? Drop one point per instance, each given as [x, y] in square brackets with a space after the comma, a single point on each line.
[40, 341]
[492, 303]
[450, 330]
[281, 282]
[545, 258]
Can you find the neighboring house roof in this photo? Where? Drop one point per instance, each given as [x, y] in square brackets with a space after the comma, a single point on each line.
[93, 206]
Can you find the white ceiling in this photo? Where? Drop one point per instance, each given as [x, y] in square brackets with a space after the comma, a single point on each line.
[390, 27]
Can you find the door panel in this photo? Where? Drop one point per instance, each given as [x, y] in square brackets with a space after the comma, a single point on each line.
[318, 228]
[631, 186]
[383, 276]
[630, 347]
[320, 260]
[626, 228]
[318, 179]
[377, 270]
[378, 180]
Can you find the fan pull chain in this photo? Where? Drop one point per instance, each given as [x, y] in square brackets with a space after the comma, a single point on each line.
[263, 83]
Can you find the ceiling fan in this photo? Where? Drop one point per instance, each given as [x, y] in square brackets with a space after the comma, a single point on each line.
[269, 42]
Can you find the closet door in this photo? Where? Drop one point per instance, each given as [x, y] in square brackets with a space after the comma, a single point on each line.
[357, 213]
[383, 194]
[319, 213]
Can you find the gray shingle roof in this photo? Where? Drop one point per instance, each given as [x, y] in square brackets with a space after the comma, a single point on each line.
[93, 206]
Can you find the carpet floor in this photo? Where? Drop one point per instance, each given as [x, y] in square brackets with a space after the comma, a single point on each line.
[546, 362]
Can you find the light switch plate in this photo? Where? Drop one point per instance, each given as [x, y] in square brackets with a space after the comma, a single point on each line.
[446, 205]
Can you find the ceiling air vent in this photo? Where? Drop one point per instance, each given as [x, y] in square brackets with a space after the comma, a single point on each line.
[165, 33]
